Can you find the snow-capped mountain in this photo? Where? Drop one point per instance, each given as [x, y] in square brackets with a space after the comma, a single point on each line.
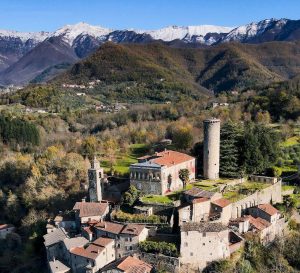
[69, 33]
[265, 31]
[25, 55]
[24, 36]
[171, 33]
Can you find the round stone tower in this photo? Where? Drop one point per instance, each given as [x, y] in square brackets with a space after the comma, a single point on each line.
[211, 148]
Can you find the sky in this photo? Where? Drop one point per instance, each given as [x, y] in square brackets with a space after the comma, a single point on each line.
[49, 15]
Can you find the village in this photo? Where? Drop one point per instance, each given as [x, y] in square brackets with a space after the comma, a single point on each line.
[206, 220]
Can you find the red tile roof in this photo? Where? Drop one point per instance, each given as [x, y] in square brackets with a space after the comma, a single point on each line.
[268, 208]
[200, 200]
[258, 222]
[102, 241]
[110, 227]
[90, 208]
[133, 265]
[133, 229]
[222, 202]
[170, 158]
[91, 252]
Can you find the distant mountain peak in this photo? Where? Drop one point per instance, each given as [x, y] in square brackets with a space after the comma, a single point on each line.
[71, 32]
[25, 36]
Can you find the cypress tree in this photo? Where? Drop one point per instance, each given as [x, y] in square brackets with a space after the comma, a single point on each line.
[230, 150]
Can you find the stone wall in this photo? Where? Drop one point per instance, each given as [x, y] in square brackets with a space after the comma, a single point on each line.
[271, 194]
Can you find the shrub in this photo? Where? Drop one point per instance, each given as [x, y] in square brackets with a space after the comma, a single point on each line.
[164, 248]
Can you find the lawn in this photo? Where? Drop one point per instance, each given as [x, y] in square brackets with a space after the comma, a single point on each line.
[123, 161]
[287, 187]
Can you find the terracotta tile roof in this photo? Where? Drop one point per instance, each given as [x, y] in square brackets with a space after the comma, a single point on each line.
[197, 192]
[110, 227]
[91, 252]
[88, 230]
[102, 241]
[170, 158]
[133, 229]
[5, 226]
[90, 208]
[199, 200]
[268, 208]
[222, 202]
[115, 228]
[133, 265]
[258, 222]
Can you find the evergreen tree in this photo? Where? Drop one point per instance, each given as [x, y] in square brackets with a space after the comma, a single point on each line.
[230, 150]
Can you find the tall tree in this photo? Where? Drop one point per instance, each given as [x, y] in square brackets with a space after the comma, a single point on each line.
[230, 165]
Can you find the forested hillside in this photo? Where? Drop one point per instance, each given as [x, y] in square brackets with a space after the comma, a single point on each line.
[157, 68]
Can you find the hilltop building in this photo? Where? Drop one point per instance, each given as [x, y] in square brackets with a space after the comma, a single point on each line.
[159, 173]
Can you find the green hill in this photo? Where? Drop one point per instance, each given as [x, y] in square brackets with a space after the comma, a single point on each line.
[159, 72]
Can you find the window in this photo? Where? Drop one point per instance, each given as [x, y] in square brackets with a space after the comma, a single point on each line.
[204, 234]
[191, 254]
[130, 239]
[203, 244]
[130, 248]
[185, 244]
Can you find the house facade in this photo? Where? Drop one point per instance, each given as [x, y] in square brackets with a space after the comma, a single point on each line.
[159, 173]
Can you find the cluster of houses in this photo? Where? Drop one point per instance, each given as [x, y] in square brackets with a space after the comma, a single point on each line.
[209, 226]
[89, 85]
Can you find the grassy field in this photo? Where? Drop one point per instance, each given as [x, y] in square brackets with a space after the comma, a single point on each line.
[123, 161]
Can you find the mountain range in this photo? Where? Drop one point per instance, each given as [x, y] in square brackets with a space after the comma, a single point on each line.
[39, 56]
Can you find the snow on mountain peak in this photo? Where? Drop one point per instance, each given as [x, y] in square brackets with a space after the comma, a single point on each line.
[252, 29]
[25, 36]
[70, 32]
[175, 32]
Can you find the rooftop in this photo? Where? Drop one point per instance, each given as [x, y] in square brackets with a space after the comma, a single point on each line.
[75, 242]
[115, 228]
[91, 252]
[197, 192]
[203, 227]
[222, 202]
[55, 236]
[90, 208]
[268, 208]
[102, 241]
[166, 158]
[129, 265]
[57, 266]
[258, 223]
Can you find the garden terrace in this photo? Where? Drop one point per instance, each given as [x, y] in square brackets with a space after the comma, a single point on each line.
[238, 192]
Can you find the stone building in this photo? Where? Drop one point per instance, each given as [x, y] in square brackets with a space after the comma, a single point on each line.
[202, 243]
[211, 149]
[203, 206]
[92, 258]
[127, 236]
[263, 220]
[52, 242]
[159, 173]
[88, 211]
